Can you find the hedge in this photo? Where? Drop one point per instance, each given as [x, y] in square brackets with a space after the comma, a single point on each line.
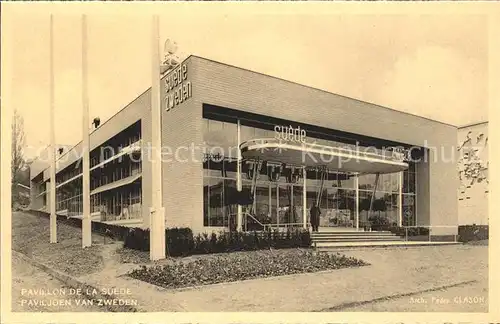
[182, 241]
[468, 233]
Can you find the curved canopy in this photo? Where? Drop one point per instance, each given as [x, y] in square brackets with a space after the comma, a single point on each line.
[314, 155]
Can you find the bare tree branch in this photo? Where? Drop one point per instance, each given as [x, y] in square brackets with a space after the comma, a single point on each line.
[18, 162]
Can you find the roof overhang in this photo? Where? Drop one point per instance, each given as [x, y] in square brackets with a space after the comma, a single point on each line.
[314, 155]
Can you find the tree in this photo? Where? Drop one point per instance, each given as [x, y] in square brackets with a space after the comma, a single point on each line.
[18, 163]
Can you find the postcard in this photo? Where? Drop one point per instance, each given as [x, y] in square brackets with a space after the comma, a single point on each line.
[248, 162]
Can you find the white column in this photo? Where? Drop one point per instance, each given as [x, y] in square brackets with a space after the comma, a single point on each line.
[239, 216]
[86, 221]
[400, 199]
[304, 197]
[52, 150]
[356, 211]
[374, 191]
[157, 212]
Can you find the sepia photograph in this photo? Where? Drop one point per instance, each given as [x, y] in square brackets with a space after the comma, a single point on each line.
[245, 160]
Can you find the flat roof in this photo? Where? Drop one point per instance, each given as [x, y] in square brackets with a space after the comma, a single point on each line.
[473, 124]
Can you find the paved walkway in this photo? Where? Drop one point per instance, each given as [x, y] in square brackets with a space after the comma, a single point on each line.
[393, 271]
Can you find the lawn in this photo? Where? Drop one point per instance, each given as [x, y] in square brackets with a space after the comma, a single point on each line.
[31, 235]
[228, 267]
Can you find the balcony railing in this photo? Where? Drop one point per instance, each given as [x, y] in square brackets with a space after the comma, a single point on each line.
[134, 147]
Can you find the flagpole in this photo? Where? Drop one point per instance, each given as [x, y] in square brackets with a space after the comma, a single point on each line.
[86, 220]
[52, 150]
[157, 212]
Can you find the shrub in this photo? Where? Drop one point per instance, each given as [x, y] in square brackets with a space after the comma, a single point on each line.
[180, 241]
[418, 231]
[114, 231]
[470, 233]
[137, 239]
[378, 220]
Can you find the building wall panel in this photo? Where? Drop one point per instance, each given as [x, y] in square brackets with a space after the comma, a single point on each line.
[183, 174]
[423, 194]
[442, 179]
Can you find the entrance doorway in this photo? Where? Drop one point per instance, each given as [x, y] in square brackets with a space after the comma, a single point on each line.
[338, 209]
[337, 200]
[289, 203]
[280, 203]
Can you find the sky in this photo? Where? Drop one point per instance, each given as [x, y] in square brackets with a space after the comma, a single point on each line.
[435, 66]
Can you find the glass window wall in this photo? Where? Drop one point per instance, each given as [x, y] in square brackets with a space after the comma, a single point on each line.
[409, 196]
[280, 202]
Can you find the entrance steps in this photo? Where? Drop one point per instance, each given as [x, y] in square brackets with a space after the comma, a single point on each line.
[320, 239]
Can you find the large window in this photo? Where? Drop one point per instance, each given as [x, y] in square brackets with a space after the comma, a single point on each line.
[122, 202]
[280, 201]
[337, 198]
[219, 172]
[218, 194]
[385, 204]
[410, 196]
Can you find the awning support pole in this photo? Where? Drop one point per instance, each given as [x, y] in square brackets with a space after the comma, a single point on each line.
[400, 199]
[356, 185]
[239, 215]
[372, 200]
[304, 197]
[277, 205]
[256, 168]
[321, 186]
